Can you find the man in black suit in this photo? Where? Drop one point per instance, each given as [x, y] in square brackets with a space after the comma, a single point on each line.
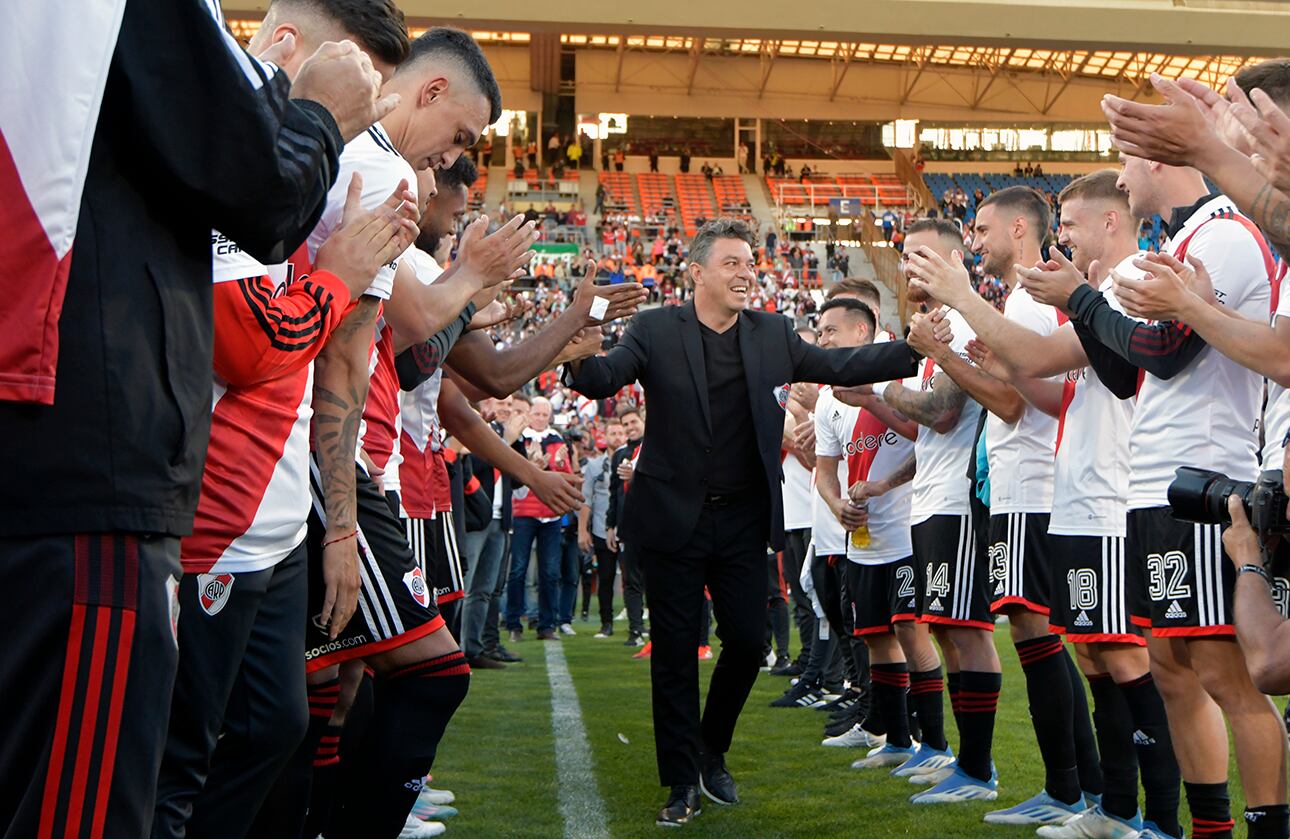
[705, 498]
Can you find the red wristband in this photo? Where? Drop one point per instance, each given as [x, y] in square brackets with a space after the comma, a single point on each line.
[341, 539]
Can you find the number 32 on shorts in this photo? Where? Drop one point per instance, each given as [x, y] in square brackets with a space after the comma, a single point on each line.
[1166, 576]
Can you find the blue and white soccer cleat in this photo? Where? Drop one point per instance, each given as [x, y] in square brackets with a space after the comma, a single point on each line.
[887, 755]
[1094, 823]
[934, 777]
[925, 760]
[1040, 809]
[1151, 831]
[959, 787]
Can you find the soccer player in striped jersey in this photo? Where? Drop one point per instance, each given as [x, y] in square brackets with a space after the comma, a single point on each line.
[1198, 408]
[954, 571]
[1020, 433]
[1090, 596]
[241, 679]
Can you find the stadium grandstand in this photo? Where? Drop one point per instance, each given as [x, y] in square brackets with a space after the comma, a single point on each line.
[826, 122]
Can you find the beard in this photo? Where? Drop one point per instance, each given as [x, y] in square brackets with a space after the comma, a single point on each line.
[427, 241]
[998, 264]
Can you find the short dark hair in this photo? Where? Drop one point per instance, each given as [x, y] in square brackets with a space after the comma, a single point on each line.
[722, 228]
[446, 42]
[855, 307]
[943, 228]
[376, 25]
[1271, 76]
[1024, 201]
[1099, 186]
[625, 410]
[522, 397]
[855, 285]
[461, 173]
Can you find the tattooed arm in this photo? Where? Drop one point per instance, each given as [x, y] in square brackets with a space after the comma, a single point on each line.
[340, 392]
[938, 408]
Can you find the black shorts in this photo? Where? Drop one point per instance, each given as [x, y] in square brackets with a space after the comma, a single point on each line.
[1187, 577]
[954, 577]
[882, 595]
[434, 544]
[1090, 601]
[1019, 562]
[396, 602]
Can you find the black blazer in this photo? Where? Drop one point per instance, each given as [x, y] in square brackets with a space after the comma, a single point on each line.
[663, 350]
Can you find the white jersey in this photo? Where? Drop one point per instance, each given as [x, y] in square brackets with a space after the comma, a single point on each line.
[798, 493]
[826, 531]
[373, 156]
[869, 450]
[1206, 416]
[1276, 416]
[1021, 453]
[941, 484]
[1091, 469]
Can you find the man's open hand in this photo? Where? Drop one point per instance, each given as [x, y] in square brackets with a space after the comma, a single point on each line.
[340, 77]
[1167, 291]
[1053, 282]
[948, 282]
[368, 239]
[558, 491]
[623, 298]
[493, 258]
[1180, 132]
[340, 579]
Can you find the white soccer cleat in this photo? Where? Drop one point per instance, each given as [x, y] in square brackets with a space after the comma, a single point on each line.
[854, 738]
[1093, 823]
[435, 796]
[414, 828]
[567, 629]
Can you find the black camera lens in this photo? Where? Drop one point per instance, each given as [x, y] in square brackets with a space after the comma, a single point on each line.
[1200, 495]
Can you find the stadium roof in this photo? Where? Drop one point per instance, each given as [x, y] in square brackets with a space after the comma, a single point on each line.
[1168, 27]
[1134, 67]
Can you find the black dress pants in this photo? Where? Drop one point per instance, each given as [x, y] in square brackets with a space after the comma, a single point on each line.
[606, 570]
[727, 554]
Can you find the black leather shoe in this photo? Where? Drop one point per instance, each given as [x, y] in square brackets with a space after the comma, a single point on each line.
[683, 804]
[715, 781]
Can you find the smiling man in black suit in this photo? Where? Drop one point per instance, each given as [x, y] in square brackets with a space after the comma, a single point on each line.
[705, 499]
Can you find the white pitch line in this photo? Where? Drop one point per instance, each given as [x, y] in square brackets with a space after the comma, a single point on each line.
[580, 802]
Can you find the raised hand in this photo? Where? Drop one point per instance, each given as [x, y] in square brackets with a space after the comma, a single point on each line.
[584, 344]
[1268, 129]
[949, 283]
[497, 256]
[368, 239]
[1179, 132]
[340, 77]
[981, 355]
[623, 298]
[922, 333]
[501, 311]
[1166, 290]
[1052, 282]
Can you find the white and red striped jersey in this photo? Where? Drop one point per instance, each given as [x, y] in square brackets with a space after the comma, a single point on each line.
[1207, 416]
[826, 531]
[373, 156]
[1091, 467]
[941, 485]
[1021, 453]
[870, 451]
[423, 474]
[1276, 416]
[269, 325]
[380, 431]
